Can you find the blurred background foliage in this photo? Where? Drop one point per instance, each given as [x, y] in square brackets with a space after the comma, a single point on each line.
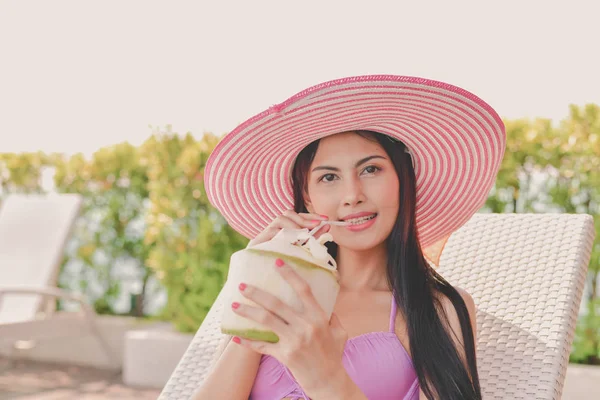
[147, 228]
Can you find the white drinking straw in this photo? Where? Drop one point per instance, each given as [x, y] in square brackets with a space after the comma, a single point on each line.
[337, 223]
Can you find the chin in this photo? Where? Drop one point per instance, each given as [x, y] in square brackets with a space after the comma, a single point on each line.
[360, 243]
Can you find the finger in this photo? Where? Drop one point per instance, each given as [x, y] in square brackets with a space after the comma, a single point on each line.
[262, 316]
[311, 216]
[311, 307]
[270, 303]
[303, 220]
[283, 221]
[257, 345]
[322, 230]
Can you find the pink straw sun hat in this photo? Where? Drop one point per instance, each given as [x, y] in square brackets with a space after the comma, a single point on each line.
[456, 140]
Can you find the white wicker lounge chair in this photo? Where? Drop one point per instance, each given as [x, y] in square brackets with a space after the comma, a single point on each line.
[34, 230]
[526, 273]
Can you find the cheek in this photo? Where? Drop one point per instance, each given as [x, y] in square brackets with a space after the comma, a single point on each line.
[324, 200]
[393, 193]
[387, 190]
[321, 198]
[388, 194]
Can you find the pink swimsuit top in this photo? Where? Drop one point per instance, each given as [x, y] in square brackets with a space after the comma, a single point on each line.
[377, 362]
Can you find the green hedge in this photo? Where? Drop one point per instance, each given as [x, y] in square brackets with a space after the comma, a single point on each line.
[143, 206]
[191, 242]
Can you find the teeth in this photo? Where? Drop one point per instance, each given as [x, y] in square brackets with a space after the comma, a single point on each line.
[360, 220]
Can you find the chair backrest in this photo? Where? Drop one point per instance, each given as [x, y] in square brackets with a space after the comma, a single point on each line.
[33, 233]
[526, 273]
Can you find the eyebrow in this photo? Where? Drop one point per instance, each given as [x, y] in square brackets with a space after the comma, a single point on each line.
[364, 160]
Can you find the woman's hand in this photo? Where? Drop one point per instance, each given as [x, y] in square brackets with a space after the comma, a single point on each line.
[291, 219]
[310, 344]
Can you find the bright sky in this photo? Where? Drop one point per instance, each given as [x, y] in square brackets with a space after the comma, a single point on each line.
[77, 75]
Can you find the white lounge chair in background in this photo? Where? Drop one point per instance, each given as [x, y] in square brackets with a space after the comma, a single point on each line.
[526, 273]
[34, 230]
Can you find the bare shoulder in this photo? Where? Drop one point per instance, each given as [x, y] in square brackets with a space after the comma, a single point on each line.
[454, 323]
[453, 320]
[467, 298]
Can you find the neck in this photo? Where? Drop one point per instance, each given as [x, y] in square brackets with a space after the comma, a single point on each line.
[362, 270]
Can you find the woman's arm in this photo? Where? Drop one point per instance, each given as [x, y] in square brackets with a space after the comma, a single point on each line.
[232, 376]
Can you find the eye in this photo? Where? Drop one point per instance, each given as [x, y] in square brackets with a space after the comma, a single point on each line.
[375, 169]
[323, 178]
[371, 168]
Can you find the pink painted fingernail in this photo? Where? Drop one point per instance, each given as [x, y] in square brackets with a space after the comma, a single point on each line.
[237, 340]
[242, 286]
[324, 216]
[279, 262]
[235, 305]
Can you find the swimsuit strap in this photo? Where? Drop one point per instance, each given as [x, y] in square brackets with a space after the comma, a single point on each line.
[393, 314]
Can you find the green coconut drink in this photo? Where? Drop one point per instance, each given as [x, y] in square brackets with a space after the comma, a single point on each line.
[255, 265]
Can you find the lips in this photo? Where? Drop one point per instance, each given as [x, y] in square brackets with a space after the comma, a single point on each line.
[363, 225]
[358, 215]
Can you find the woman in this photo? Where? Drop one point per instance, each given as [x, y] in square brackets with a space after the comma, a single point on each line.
[409, 161]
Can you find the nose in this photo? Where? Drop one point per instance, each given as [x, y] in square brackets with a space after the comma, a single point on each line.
[354, 193]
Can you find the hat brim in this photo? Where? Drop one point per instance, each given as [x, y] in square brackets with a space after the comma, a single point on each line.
[457, 142]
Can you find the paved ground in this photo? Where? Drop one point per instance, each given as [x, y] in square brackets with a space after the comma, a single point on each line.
[41, 381]
[583, 382]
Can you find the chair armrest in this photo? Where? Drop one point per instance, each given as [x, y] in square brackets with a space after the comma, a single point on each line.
[48, 292]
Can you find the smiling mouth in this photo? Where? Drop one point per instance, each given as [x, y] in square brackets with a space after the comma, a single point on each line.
[361, 220]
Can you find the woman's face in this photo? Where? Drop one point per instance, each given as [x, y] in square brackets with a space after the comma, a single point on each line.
[351, 174]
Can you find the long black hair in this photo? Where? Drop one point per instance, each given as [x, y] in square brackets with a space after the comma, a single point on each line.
[438, 365]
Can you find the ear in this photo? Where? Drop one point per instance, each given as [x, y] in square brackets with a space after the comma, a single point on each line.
[309, 207]
[308, 204]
